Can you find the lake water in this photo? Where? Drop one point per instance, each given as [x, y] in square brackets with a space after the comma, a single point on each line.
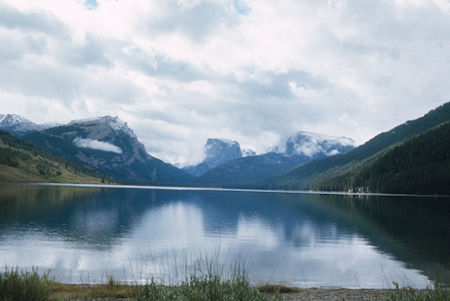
[84, 234]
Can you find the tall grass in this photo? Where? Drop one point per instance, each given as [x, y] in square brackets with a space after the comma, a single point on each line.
[438, 293]
[203, 278]
[24, 285]
[202, 288]
[197, 278]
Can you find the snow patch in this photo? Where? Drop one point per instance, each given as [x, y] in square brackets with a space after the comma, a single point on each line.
[333, 152]
[13, 119]
[97, 145]
[248, 153]
[308, 149]
[115, 123]
[344, 141]
[312, 145]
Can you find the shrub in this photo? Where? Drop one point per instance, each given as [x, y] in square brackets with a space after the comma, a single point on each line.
[23, 285]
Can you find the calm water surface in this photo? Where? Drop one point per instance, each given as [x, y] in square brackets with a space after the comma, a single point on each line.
[84, 234]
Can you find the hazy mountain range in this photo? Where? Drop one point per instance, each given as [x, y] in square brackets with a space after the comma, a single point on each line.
[108, 147]
[299, 148]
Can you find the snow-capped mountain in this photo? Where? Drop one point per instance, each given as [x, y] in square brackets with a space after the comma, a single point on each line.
[109, 146]
[217, 152]
[18, 126]
[106, 124]
[314, 145]
[297, 149]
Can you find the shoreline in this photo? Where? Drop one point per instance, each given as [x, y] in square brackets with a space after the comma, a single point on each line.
[23, 285]
[195, 188]
[276, 292]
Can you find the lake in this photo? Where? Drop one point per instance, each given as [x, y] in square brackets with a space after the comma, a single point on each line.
[84, 234]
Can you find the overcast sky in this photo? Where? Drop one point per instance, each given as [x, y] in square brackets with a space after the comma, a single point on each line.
[255, 71]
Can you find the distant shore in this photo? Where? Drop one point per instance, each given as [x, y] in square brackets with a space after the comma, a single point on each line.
[194, 188]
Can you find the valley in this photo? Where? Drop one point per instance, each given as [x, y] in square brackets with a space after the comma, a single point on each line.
[107, 147]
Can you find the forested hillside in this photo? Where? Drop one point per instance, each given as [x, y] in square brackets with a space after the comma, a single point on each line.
[21, 161]
[421, 165]
[309, 175]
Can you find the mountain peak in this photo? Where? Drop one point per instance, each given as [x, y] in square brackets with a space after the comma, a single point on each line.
[221, 150]
[311, 145]
[106, 144]
[113, 122]
[12, 119]
[217, 151]
[18, 125]
[321, 137]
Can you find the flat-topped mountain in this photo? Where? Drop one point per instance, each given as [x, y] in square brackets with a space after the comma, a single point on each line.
[297, 149]
[217, 151]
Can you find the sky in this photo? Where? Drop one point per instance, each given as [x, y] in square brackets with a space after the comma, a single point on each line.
[254, 71]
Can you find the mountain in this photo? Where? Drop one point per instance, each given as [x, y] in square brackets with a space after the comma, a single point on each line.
[109, 146]
[19, 126]
[307, 145]
[420, 165]
[22, 161]
[299, 148]
[312, 173]
[217, 152]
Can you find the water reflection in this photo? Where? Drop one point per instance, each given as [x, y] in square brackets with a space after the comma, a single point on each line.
[83, 234]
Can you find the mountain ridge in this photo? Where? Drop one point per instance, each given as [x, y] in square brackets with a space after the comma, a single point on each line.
[397, 170]
[22, 161]
[299, 148]
[108, 145]
[311, 173]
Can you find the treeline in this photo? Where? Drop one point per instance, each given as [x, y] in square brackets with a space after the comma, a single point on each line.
[363, 170]
[420, 165]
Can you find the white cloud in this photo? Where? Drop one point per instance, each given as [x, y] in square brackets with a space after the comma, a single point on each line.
[250, 70]
[97, 145]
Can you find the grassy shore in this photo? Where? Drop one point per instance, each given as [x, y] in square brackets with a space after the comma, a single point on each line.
[24, 285]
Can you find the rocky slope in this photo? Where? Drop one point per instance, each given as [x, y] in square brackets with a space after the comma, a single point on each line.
[217, 152]
[109, 146]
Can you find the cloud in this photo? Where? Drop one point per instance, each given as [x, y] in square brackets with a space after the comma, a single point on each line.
[181, 71]
[12, 18]
[97, 145]
[196, 19]
[91, 51]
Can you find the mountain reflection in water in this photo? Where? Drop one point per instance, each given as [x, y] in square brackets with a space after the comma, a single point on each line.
[307, 240]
